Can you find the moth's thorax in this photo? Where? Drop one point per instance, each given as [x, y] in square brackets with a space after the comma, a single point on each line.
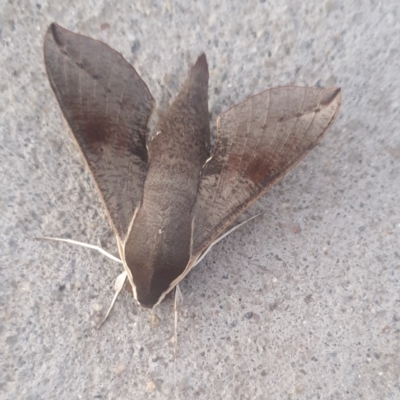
[158, 248]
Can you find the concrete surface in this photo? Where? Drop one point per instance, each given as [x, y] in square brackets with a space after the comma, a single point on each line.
[302, 303]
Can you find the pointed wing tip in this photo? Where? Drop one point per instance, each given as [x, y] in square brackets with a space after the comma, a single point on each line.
[200, 68]
[53, 41]
[54, 34]
[333, 95]
[53, 25]
[332, 98]
[338, 96]
[202, 60]
[53, 29]
[337, 99]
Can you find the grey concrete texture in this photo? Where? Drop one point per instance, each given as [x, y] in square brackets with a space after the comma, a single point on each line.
[301, 303]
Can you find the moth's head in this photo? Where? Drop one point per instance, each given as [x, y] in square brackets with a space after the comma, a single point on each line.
[150, 272]
[150, 289]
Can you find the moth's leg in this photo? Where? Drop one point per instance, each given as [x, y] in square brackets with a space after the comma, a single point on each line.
[120, 281]
[177, 302]
[226, 234]
[89, 246]
[119, 284]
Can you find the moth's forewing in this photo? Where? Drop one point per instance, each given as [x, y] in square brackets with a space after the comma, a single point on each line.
[107, 106]
[258, 142]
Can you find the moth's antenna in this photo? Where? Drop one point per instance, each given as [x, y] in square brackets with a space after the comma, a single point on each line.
[226, 234]
[177, 302]
[89, 246]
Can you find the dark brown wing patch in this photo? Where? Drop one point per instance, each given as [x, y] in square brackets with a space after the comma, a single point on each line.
[107, 106]
[258, 142]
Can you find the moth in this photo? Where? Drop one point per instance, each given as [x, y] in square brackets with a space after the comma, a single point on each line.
[169, 199]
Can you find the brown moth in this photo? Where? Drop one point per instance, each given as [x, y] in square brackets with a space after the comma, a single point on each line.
[169, 199]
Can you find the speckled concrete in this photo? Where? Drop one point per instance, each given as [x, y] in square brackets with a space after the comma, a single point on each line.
[302, 303]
